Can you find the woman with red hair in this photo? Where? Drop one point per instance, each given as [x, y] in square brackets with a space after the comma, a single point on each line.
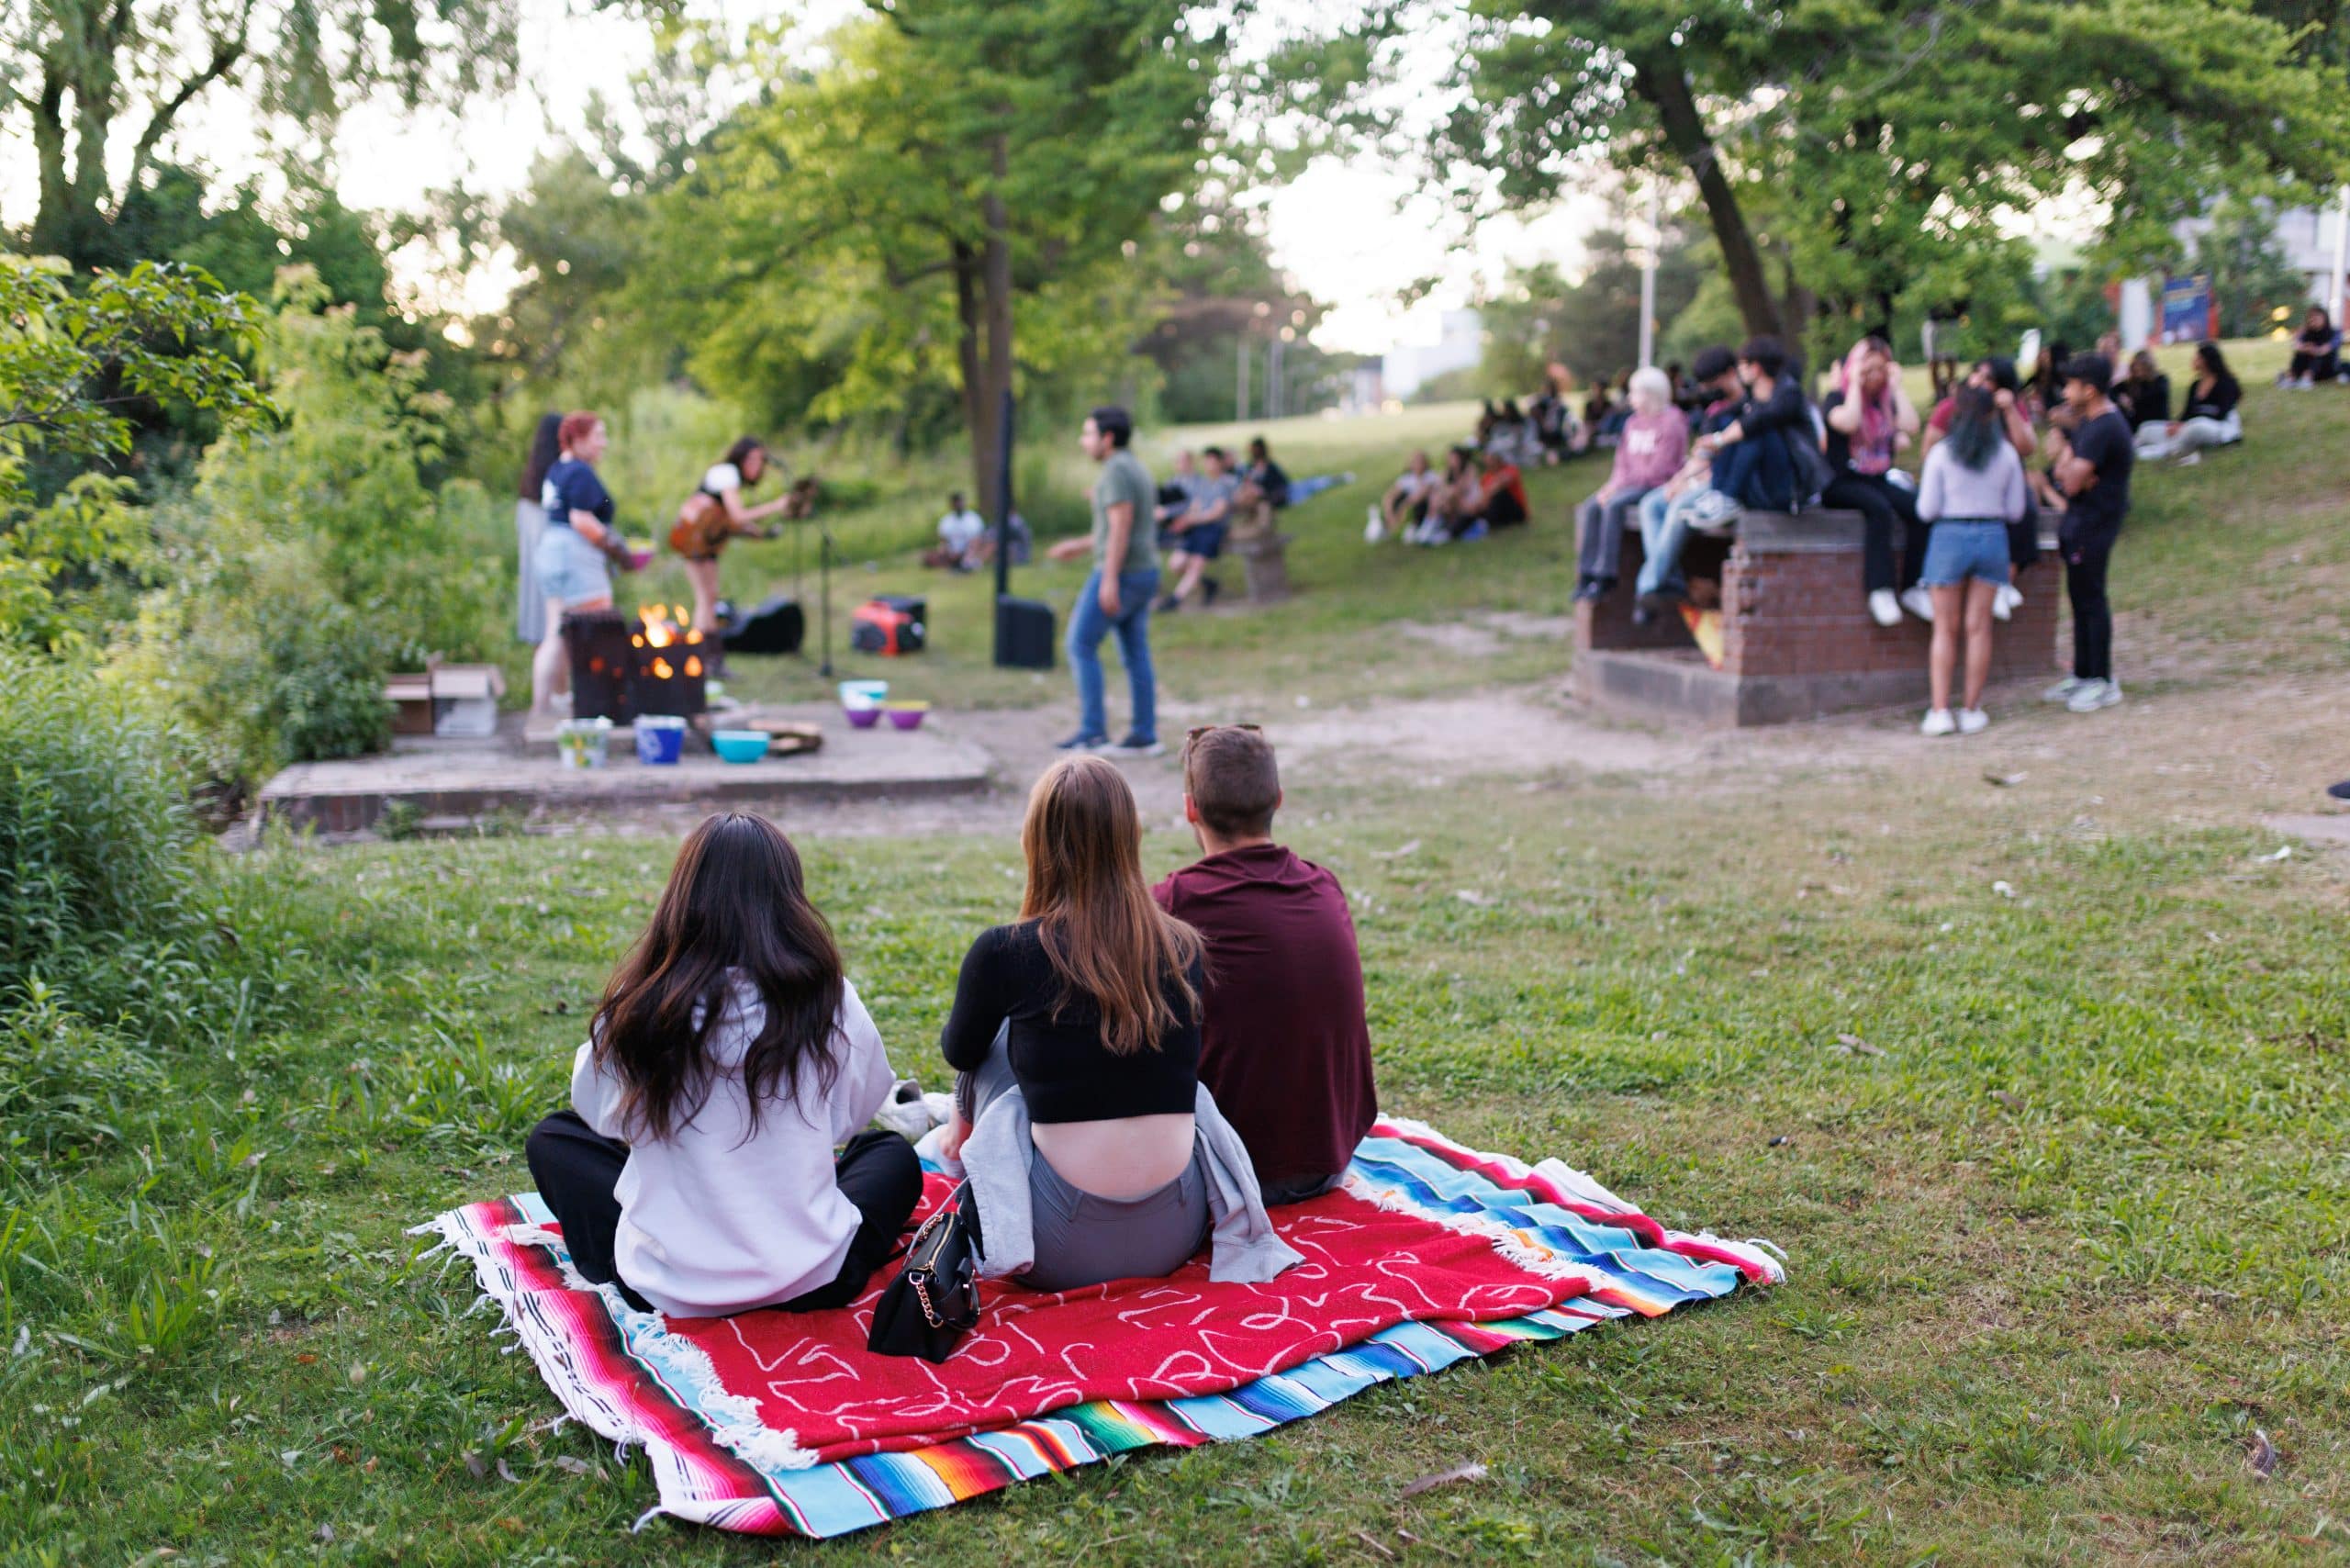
[572, 554]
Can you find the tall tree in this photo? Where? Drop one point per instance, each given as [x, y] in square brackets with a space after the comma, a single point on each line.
[101, 85]
[961, 163]
[1850, 154]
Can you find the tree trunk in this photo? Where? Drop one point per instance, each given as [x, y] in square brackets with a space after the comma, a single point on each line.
[1658, 77]
[68, 222]
[979, 418]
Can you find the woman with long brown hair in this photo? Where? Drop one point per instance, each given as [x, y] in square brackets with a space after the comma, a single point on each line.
[1087, 1006]
[729, 1056]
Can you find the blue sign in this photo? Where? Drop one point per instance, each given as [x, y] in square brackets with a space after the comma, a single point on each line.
[2187, 308]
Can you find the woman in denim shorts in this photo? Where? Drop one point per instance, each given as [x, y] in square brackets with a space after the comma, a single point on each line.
[1973, 486]
[571, 558]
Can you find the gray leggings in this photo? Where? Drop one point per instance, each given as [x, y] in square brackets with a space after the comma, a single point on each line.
[1082, 1239]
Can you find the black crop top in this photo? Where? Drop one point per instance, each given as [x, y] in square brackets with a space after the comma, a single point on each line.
[1063, 1071]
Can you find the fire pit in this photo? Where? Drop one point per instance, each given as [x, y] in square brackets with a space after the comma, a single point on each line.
[621, 668]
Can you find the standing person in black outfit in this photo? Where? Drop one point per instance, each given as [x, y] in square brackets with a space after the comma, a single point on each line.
[2092, 475]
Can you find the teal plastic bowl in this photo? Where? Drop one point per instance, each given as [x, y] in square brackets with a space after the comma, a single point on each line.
[741, 745]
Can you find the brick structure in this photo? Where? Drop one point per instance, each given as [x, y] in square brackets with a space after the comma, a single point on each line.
[1797, 638]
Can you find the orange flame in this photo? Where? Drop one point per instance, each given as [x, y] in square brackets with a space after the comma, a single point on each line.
[693, 666]
[659, 630]
[662, 670]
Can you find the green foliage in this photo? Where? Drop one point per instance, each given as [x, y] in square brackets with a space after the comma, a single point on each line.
[1591, 324]
[313, 557]
[94, 833]
[71, 364]
[2255, 284]
[67, 1089]
[1823, 139]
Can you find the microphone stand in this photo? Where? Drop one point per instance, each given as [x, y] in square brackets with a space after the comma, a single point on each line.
[824, 588]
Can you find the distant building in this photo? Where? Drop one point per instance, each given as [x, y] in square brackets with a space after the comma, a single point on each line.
[2305, 234]
[1459, 345]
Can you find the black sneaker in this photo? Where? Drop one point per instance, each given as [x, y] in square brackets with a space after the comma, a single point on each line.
[1164, 604]
[2339, 791]
[1209, 588]
[1083, 741]
[1134, 745]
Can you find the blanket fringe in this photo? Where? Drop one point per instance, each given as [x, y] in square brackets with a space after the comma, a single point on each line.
[646, 1517]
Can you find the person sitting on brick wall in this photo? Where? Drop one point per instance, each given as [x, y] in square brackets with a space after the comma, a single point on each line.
[1654, 442]
[1689, 498]
[1283, 1044]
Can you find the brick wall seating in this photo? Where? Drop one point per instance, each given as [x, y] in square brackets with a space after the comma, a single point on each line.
[1797, 638]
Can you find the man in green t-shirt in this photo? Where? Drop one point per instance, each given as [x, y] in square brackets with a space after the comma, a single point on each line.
[1118, 591]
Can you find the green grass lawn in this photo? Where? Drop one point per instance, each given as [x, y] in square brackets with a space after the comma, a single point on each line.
[2068, 1227]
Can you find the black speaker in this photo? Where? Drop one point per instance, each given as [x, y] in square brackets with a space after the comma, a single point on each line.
[1023, 633]
[775, 627]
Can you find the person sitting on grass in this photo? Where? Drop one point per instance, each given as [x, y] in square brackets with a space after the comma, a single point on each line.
[729, 1057]
[1406, 501]
[964, 543]
[1452, 500]
[1075, 1035]
[1972, 486]
[1494, 496]
[2208, 415]
[1653, 443]
[1283, 1044]
[2143, 395]
[1197, 535]
[2317, 351]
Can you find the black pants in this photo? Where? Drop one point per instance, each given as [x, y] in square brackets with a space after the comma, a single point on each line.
[577, 1168]
[1882, 504]
[2085, 562]
[2316, 367]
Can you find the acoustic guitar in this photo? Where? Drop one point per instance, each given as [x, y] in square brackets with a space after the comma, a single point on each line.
[702, 527]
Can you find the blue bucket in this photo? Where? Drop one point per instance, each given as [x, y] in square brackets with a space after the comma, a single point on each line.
[660, 740]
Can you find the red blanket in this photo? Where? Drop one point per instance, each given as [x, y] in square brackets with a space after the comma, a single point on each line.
[1366, 1269]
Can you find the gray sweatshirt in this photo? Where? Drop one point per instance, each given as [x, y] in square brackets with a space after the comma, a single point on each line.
[1948, 488]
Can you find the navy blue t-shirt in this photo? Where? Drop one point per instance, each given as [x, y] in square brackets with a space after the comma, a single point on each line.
[571, 486]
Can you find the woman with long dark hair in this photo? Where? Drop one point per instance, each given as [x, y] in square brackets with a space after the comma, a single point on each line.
[2208, 413]
[728, 1057]
[2317, 351]
[1972, 488]
[714, 514]
[530, 521]
[1077, 1032]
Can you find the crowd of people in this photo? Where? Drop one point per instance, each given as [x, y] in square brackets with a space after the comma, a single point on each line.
[1738, 432]
[569, 544]
[1140, 1070]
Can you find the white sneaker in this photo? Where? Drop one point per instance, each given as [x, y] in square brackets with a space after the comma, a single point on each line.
[1919, 602]
[1374, 527]
[1973, 720]
[1937, 723]
[2005, 602]
[2062, 691]
[1886, 608]
[2190, 460]
[2094, 695]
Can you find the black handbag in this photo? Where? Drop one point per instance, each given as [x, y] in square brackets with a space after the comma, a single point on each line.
[934, 1300]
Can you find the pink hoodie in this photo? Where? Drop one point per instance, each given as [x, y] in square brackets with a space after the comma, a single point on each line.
[1649, 451]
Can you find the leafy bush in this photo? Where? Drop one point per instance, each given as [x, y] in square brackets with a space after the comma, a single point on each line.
[313, 558]
[94, 832]
[67, 1086]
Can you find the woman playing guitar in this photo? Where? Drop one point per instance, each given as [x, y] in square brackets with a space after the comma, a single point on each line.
[714, 514]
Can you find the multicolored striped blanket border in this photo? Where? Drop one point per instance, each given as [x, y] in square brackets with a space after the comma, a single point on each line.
[619, 1372]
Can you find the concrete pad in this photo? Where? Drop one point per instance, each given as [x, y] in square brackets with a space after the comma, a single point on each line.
[468, 781]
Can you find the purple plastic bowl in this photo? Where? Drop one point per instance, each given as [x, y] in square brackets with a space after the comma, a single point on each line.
[905, 718]
[863, 718]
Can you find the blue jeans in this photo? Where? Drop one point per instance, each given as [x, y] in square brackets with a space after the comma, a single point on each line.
[1088, 625]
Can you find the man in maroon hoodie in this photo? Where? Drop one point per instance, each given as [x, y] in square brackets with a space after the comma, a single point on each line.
[1283, 1047]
